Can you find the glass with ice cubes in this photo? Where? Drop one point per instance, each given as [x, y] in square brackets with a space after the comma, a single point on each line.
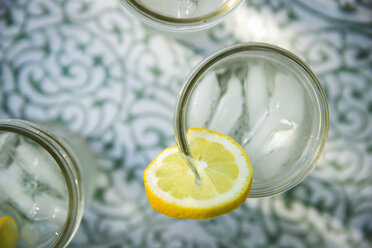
[45, 181]
[269, 101]
[181, 15]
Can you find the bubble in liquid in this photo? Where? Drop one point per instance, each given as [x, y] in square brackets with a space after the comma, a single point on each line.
[186, 8]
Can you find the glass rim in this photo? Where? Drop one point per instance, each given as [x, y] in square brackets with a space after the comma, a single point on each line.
[67, 165]
[179, 120]
[180, 24]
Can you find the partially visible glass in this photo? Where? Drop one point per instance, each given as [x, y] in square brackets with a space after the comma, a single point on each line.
[181, 15]
[269, 101]
[46, 180]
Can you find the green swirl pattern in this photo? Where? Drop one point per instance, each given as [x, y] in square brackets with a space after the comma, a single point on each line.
[94, 67]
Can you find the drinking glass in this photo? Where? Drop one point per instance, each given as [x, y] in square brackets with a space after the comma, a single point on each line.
[45, 181]
[181, 15]
[269, 101]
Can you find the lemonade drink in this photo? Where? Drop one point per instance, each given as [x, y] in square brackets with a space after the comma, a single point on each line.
[41, 187]
[180, 15]
[267, 100]
[184, 8]
[261, 105]
[249, 105]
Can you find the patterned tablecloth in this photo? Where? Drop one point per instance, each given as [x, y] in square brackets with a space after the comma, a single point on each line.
[93, 66]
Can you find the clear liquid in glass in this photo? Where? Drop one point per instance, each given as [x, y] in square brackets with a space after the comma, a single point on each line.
[183, 8]
[32, 190]
[262, 104]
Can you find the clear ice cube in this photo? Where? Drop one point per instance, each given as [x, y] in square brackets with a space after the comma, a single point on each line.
[11, 189]
[30, 180]
[186, 8]
[54, 211]
[202, 100]
[256, 93]
[284, 134]
[288, 98]
[229, 109]
[39, 164]
[272, 164]
[279, 130]
[254, 146]
[7, 142]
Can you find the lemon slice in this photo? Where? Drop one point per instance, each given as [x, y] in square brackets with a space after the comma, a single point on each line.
[8, 232]
[225, 177]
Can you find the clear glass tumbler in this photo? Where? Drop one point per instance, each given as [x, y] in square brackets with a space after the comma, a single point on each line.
[45, 181]
[269, 101]
[181, 15]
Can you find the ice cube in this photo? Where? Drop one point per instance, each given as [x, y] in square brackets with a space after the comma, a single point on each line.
[50, 208]
[186, 8]
[30, 173]
[283, 135]
[286, 112]
[271, 165]
[254, 146]
[288, 98]
[7, 142]
[11, 189]
[33, 203]
[229, 108]
[202, 99]
[39, 164]
[256, 93]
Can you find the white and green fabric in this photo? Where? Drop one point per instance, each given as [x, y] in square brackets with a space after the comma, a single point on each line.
[91, 65]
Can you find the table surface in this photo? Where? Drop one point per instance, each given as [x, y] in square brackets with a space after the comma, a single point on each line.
[93, 66]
